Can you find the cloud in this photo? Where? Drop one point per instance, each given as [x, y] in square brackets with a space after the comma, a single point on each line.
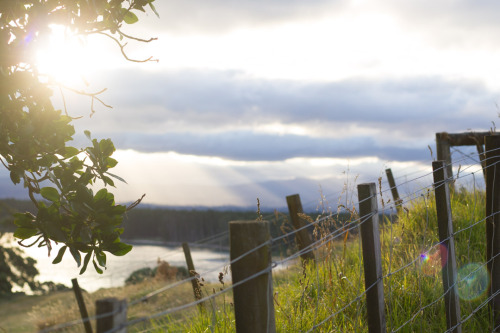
[444, 23]
[249, 146]
[463, 12]
[216, 16]
[447, 23]
[218, 99]
[225, 114]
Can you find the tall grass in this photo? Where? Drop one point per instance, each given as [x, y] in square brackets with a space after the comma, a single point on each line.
[327, 296]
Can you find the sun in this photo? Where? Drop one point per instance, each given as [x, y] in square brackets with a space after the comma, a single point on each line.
[65, 58]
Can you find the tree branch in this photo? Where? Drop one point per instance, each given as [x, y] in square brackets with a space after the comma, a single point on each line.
[136, 38]
[93, 96]
[134, 204]
[122, 49]
[30, 245]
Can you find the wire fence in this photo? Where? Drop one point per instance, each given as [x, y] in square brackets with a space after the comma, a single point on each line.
[329, 294]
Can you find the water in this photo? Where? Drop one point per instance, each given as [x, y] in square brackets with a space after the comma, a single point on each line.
[119, 268]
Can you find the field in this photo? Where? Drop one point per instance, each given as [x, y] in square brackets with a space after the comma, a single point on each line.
[325, 296]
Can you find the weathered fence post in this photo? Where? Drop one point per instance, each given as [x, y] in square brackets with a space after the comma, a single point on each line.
[194, 281]
[253, 300]
[111, 313]
[492, 147]
[482, 158]
[394, 190]
[81, 306]
[447, 246]
[443, 152]
[372, 261]
[303, 237]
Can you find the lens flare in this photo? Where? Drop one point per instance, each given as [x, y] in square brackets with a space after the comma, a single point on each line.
[472, 281]
[433, 261]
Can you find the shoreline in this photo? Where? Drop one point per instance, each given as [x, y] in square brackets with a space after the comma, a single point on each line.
[152, 242]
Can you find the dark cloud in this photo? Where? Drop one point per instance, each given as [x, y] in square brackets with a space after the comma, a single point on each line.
[8, 189]
[220, 99]
[221, 113]
[249, 146]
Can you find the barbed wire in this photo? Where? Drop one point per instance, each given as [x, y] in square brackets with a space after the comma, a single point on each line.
[315, 245]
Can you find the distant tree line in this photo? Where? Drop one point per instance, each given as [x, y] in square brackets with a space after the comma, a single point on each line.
[7, 209]
[158, 223]
[183, 225]
[178, 225]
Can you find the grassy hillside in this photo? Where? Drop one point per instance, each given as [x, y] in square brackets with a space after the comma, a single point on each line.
[326, 296]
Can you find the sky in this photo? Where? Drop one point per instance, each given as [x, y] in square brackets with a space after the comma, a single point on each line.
[263, 99]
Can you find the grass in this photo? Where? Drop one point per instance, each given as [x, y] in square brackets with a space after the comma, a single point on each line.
[325, 296]
[328, 296]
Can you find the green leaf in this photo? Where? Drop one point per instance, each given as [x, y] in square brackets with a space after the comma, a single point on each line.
[153, 8]
[76, 255]
[102, 194]
[119, 248]
[50, 194]
[54, 229]
[14, 176]
[117, 177]
[25, 233]
[88, 134]
[24, 220]
[70, 152]
[86, 261]
[111, 162]
[97, 268]
[60, 255]
[129, 17]
[86, 235]
[108, 181]
[101, 258]
[107, 147]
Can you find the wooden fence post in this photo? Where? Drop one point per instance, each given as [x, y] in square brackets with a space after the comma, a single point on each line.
[253, 300]
[394, 190]
[447, 246]
[372, 261]
[443, 152]
[111, 314]
[81, 306]
[303, 236]
[492, 147]
[194, 281]
[482, 158]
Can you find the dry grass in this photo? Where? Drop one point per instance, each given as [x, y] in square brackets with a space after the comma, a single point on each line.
[21, 313]
[322, 294]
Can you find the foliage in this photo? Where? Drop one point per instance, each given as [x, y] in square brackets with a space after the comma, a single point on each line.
[304, 298]
[145, 273]
[34, 136]
[140, 275]
[16, 270]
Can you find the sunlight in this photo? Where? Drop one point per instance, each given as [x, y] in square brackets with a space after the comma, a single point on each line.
[65, 58]
[178, 179]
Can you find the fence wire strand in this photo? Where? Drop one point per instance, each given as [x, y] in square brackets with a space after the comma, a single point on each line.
[335, 234]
